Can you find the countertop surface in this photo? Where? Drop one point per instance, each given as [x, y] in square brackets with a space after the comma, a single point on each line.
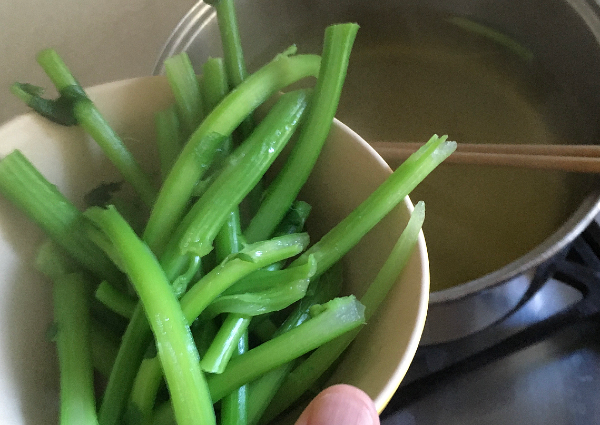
[100, 41]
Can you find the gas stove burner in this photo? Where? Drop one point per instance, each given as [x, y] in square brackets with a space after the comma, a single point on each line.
[577, 267]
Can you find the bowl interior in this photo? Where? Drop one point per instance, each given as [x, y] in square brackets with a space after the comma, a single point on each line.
[346, 173]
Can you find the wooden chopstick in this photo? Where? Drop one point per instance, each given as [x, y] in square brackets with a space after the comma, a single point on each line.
[550, 150]
[572, 158]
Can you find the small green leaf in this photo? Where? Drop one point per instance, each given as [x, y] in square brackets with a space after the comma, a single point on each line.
[102, 194]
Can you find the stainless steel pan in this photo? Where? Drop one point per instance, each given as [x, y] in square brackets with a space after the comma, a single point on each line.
[563, 40]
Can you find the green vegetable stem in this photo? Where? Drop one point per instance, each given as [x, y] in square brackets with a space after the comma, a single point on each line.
[222, 347]
[245, 166]
[339, 240]
[233, 54]
[328, 321]
[168, 138]
[88, 116]
[334, 318]
[257, 303]
[201, 294]
[42, 202]
[72, 318]
[189, 393]
[234, 406]
[199, 151]
[219, 201]
[115, 300]
[186, 89]
[225, 343]
[306, 374]
[264, 389]
[283, 191]
[215, 87]
[231, 40]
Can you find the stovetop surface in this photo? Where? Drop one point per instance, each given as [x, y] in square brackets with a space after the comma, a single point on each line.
[541, 365]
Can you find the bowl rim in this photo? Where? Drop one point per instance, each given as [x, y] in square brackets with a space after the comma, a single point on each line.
[385, 395]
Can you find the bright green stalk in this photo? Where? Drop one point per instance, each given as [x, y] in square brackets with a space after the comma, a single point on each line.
[229, 240]
[339, 240]
[262, 390]
[184, 85]
[303, 377]
[231, 40]
[263, 279]
[320, 291]
[257, 303]
[251, 258]
[56, 69]
[214, 85]
[143, 393]
[135, 340]
[244, 167]
[71, 314]
[233, 53]
[105, 346]
[196, 156]
[178, 355]
[201, 294]
[131, 352]
[54, 263]
[23, 185]
[115, 300]
[168, 138]
[234, 406]
[93, 122]
[284, 189]
[225, 343]
[214, 88]
[399, 256]
[334, 318]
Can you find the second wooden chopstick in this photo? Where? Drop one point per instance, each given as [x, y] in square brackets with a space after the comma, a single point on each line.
[571, 158]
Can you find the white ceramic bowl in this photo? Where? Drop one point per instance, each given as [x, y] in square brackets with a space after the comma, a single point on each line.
[346, 173]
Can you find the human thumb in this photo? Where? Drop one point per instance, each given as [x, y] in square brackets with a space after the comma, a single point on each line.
[340, 405]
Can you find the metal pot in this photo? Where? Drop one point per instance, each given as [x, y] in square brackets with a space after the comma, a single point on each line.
[556, 40]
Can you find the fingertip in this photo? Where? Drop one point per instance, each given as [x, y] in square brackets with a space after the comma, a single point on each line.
[340, 405]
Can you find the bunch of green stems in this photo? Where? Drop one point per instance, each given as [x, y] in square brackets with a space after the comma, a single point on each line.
[187, 287]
